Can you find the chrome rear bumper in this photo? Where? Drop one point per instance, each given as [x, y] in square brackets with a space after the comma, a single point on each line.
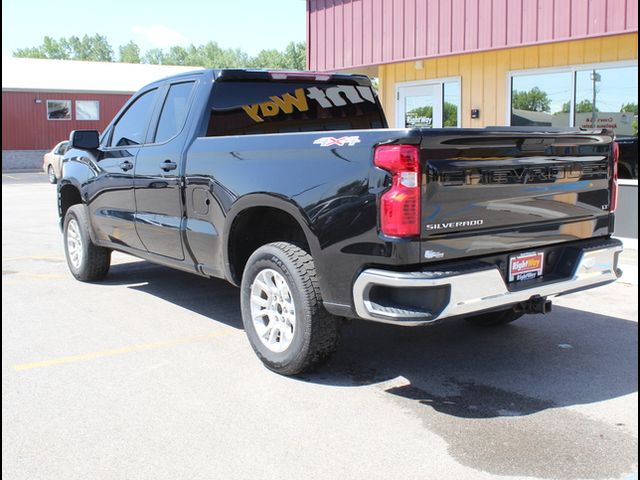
[477, 289]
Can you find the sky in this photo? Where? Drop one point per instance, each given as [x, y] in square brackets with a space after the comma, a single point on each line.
[251, 25]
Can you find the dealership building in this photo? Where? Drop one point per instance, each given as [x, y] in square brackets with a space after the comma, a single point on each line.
[477, 63]
[44, 100]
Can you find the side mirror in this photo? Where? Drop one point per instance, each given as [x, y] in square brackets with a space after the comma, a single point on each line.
[84, 139]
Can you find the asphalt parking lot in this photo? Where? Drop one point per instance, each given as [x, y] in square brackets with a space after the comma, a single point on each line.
[148, 375]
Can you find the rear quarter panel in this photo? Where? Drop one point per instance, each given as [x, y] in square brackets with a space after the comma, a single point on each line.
[331, 190]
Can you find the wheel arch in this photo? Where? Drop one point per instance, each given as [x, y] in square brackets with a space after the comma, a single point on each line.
[68, 195]
[261, 207]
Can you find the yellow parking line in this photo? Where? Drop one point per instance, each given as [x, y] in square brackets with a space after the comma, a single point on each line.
[119, 351]
[43, 276]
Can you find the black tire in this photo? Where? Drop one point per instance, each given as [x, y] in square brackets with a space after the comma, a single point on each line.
[51, 175]
[492, 319]
[316, 332]
[94, 261]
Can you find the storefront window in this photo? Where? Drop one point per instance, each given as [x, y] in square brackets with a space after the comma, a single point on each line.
[600, 97]
[451, 104]
[610, 97]
[541, 99]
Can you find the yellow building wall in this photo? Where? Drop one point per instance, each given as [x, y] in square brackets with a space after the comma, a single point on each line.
[484, 75]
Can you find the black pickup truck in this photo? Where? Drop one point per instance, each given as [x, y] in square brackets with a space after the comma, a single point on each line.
[291, 186]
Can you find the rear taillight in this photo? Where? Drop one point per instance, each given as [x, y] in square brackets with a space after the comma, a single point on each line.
[615, 153]
[400, 205]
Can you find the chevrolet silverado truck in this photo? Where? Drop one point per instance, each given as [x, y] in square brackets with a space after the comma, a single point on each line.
[290, 186]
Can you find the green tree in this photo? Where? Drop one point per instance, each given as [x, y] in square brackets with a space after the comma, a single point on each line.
[585, 106]
[31, 52]
[534, 100]
[154, 56]
[208, 55]
[50, 48]
[629, 108]
[94, 48]
[449, 115]
[130, 53]
[211, 55]
[294, 57]
[177, 56]
[295, 54]
[269, 59]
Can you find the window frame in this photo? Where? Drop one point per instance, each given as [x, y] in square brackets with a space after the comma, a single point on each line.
[440, 81]
[59, 119]
[84, 119]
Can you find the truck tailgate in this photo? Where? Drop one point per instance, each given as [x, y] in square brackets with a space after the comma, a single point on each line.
[496, 190]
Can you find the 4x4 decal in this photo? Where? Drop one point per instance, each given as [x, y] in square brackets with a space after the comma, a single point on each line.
[340, 142]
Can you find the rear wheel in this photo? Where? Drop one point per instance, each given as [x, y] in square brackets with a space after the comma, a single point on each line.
[282, 310]
[51, 175]
[87, 261]
[501, 317]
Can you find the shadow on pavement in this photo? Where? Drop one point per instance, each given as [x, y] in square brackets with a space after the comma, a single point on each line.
[569, 357]
[213, 298]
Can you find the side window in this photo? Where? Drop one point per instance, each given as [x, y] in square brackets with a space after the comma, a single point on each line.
[174, 111]
[132, 126]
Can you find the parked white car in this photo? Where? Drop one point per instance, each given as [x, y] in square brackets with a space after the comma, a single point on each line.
[52, 162]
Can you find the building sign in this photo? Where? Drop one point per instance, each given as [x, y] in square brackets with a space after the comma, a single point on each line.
[618, 121]
[414, 120]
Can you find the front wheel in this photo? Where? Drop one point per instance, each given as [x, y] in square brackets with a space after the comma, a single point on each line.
[87, 261]
[282, 310]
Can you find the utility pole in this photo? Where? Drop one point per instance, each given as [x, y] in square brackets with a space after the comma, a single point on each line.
[595, 77]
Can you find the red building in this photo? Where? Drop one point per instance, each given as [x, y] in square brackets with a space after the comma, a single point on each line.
[44, 100]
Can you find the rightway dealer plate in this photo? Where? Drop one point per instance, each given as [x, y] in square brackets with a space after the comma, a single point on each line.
[526, 266]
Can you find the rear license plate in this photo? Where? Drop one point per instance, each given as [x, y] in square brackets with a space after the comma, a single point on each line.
[526, 266]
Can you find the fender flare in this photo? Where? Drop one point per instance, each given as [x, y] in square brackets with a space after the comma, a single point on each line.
[77, 174]
[265, 200]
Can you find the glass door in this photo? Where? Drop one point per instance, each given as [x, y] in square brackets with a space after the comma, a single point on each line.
[420, 106]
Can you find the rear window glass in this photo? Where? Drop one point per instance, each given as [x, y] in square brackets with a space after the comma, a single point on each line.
[250, 107]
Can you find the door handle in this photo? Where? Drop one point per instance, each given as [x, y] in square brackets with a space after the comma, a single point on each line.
[126, 165]
[168, 165]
